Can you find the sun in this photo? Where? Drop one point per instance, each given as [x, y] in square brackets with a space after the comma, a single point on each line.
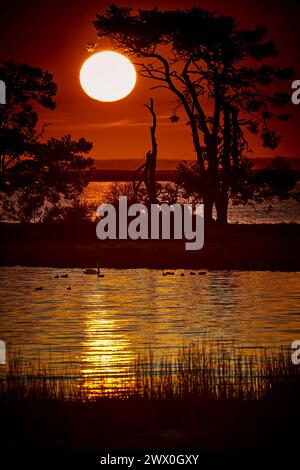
[107, 76]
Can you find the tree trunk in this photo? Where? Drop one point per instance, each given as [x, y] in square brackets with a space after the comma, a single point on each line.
[149, 167]
[151, 158]
[208, 202]
[222, 197]
[222, 207]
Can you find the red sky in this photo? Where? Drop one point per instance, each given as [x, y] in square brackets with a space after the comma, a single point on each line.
[53, 34]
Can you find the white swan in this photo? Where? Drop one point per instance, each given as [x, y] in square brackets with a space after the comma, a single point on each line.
[90, 271]
[93, 271]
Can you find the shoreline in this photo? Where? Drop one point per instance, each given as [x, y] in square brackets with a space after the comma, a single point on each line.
[184, 404]
[232, 247]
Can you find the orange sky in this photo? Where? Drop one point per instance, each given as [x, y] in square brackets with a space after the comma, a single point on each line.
[53, 34]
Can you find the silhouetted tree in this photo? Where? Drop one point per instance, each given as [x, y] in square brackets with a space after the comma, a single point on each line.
[216, 71]
[26, 87]
[251, 186]
[53, 175]
[278, 179]
[148, 169]
[36, 176]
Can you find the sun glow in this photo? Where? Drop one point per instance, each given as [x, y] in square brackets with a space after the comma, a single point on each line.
[107, 76]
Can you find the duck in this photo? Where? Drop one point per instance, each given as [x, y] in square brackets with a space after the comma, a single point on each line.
[64, 275]
[192, 273]
[56, 277]
[202, 273]
[182, 274]
[69, 288]
[39, 288]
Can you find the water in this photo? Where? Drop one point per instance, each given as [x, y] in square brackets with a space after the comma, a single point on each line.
[281, 211]
[100, 325]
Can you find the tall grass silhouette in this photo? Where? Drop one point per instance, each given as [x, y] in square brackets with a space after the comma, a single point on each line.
[206, 370]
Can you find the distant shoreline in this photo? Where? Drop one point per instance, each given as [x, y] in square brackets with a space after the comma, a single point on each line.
[124, 169]
[127, 175]
[233, 247]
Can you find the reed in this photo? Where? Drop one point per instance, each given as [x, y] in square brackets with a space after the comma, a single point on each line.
[207, 370]
[216, 371]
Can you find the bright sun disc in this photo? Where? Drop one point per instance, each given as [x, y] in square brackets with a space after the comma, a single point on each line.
[107, 76]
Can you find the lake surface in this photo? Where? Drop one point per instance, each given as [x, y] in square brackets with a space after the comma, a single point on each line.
[101, 324]
[280, 212]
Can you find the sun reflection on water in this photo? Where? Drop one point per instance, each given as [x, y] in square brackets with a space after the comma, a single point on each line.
[100, 326]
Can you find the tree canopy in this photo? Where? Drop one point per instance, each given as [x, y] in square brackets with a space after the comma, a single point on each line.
[222, 78]
[26, 87]
[36, 175]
